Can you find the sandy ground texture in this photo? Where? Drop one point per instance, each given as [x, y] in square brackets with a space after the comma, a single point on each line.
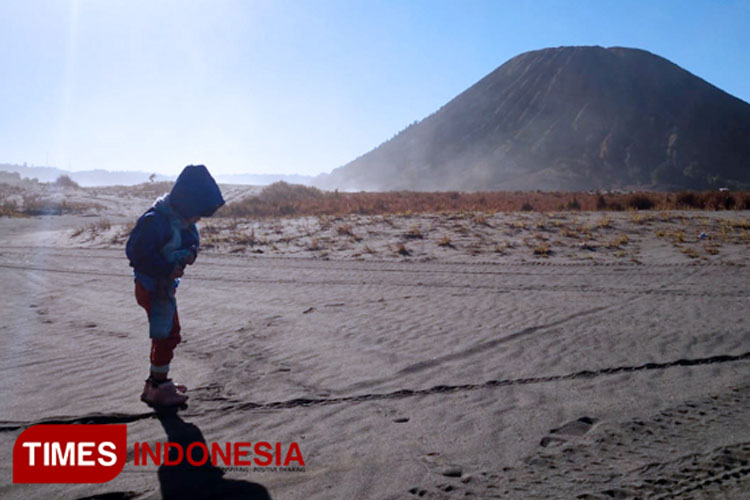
[474, 368]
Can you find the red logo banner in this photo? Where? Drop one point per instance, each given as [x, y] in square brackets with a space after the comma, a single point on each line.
[70, 453]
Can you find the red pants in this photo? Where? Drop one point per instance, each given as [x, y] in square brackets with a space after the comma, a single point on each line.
[161, 349]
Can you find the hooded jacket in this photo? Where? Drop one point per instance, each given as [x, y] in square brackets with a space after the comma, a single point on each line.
[162, 238]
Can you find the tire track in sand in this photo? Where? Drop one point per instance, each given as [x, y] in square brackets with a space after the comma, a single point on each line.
[399, 394]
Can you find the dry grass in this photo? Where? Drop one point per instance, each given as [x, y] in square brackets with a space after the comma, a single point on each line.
[150, 189]
[542, 249]
[32, 205]
[605, 222]
[402, 250]
[122, 235]
[94, 229]
[619, 241]
[690, 252]
[640, 218]
[711, 249]
[345, 230]
[314, 245]
[10, 209]
[414, 233]
[480, 219]
[243, 238]
[455, 235]
[282, 199]
[445, 242]
[42, 199]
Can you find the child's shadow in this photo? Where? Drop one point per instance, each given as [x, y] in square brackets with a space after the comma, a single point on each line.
[186, 481]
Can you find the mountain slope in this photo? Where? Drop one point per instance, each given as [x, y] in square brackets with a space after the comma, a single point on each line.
[569, 118]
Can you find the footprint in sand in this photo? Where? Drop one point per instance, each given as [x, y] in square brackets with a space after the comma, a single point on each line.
[574, 428]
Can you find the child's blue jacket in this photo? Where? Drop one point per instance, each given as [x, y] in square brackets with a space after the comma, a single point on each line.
[194, 194]
[150, 234]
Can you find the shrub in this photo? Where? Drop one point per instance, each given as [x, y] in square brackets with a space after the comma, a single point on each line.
[402, 250]
[720, 201]
[573, 205]
[689, 200]
[601, 203]
[445, 242]
[640, 202]
[66, 182]
[414, 233]
[10, 209]
[284, 192]
[480, 219]
[619, 241]
[345, 230]
[542, 250]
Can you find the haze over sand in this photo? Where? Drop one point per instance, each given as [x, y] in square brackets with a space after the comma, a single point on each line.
[444, 374]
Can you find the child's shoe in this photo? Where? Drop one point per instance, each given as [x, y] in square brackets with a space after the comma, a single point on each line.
[163, 394]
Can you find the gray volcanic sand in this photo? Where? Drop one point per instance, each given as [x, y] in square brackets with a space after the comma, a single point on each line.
[442, 379]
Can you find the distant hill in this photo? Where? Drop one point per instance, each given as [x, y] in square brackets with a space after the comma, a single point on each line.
[569, 118]
[85, 177]
[107, 178]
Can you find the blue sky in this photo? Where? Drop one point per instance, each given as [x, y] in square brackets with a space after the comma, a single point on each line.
[296, 86]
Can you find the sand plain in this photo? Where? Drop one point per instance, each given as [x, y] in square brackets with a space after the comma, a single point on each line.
[601, 368]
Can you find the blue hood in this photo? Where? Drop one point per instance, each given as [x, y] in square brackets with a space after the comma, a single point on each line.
[195, 193]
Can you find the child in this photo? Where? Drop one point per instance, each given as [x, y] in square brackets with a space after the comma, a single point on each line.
[162, 243]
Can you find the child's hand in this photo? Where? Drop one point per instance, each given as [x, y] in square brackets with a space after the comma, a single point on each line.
[191, 257]
[184, 257]
[177, 272]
